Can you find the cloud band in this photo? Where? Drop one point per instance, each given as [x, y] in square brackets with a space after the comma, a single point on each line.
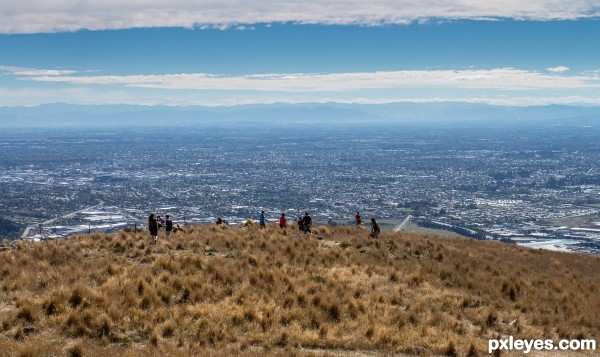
[36, 16]
[499, 79]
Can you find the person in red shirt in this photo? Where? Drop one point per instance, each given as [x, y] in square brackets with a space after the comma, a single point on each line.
[357, 219]
[283, 221]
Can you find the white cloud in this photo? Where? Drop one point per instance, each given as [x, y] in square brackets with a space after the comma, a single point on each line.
[36, 96]
[513, 101]
[35, 72]
[501, 86]
[35, 16]
[559, 69]
[498, 79]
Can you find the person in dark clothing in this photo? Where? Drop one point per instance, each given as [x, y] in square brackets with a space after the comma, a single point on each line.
[168, 226]
[153, 227]
[307, 223]
[375, 230]
[300, 224]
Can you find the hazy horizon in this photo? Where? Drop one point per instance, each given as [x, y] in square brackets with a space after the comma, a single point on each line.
[318, 114]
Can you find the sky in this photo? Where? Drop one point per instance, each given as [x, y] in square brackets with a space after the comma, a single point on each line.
[233, 52]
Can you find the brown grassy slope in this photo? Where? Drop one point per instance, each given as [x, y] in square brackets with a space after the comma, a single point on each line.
[219, 290]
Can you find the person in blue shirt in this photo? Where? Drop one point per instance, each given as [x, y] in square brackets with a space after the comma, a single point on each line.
[261, 220]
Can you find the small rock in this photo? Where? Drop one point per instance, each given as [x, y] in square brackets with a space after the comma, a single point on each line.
[420, 350]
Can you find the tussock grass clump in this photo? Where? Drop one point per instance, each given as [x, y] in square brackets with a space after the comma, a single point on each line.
[244, 291]
[75, 351]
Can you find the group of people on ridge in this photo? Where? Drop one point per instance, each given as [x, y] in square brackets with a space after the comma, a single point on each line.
[304, 224]
[157, 222]
[375, 229]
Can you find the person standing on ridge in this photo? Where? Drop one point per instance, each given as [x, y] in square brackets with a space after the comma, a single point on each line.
[307, 223]
[357, 219]
[168, 226]
[160, 222]
[375, 230]
[282, 221]
[262, 220]
[153, 227]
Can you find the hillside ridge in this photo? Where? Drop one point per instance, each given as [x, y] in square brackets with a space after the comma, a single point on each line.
[218, 290]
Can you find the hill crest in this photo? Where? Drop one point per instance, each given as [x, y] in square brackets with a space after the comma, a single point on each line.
[243, 291]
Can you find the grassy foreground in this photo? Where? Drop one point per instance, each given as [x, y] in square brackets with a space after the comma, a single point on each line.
[214, 291]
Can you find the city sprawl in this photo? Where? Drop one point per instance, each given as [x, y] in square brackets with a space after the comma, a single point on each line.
[537, 185]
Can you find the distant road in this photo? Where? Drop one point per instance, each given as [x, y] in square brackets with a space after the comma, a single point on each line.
[26, 232]
[401, 226]
[66, 215]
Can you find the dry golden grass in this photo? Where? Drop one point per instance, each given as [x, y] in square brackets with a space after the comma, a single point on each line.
[217, 290]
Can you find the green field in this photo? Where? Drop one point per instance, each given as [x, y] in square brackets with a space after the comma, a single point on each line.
[388, 225]
[413, 228]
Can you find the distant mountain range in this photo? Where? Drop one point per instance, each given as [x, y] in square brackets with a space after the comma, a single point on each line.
[68, 115]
